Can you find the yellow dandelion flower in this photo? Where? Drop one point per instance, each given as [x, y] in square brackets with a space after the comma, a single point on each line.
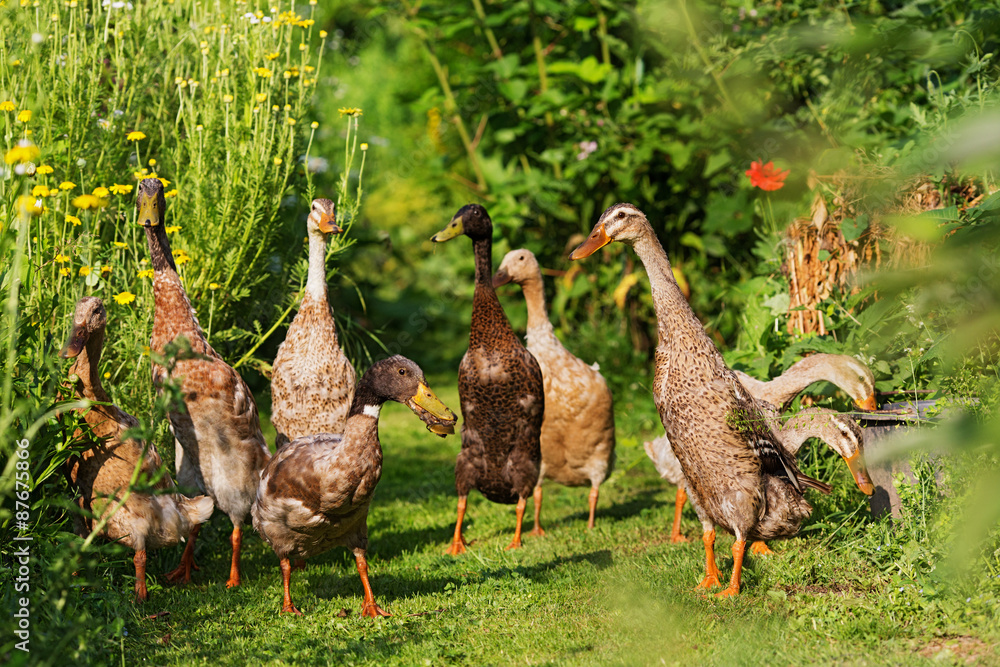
[224, 72]
[290, 121]
[275, 107]
[152, 162]
[183, 259]
[61, 259]
[121, 189]
[139, 175]
[145, 350]
[40, 191]
[323, 34]
[24, 115]
[7, 105]
[262, 72]
[308, 68]
[89, 201]
[165, 182]
[354, 112]
[135, 135]
[100, 191]
[364, 147]
[123, 298]
[30, 205]
[16, 63]
[120, 244]
[73, 220]
[170, 193]
[107, 375]
[64, 272]
[277, 161]
[261, 97]
[105, 269]
[302, 47]
[214, 286]
[24, 152]
[227, 99]
[199, 128]
[170, 229]
[44, 169]
[314, 125]
[84, 271]
[272, 56]
[67, 185]
[146, 273]
[177, 252]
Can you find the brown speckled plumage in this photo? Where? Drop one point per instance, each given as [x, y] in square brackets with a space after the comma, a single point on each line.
[726, 449]
[500, 388]
[102, 472]
[315, 493]
[218, 444]
[312, 383]
[578, 431]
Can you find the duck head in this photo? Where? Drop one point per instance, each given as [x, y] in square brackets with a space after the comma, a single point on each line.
[89, 319]
[859, 382]
[471, 220]
[150, 202]
[518, 266]
[322, 218]
[844, 436]
[620, 222]
[400, 379]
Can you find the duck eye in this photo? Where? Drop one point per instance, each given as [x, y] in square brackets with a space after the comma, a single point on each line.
[521, 258]
[402, 371]
[621, 214]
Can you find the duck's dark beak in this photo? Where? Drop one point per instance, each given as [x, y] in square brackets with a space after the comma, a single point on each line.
[856, 464]
[77, 341]
[328, 225]
[501, 277]
[597, 240]
[868, 404]
[454, 228]
[440, 420]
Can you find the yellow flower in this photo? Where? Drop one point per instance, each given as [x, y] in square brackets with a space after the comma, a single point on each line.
[105, 269]
[61, 259]
[275, 107]
[73, 219]
[145, 350]
[214, 286]
[323, 34]
[302, 47]
[121, 189]
[30, 205]
[290, 121]
[182, 259]
[7, 105]
[100, 191]
[262, 72]
[66, 185]
[272, 56]
[277, 161]
[64, 271]
[146, 273]
[227, 99]
[40, 191]
[25, 151]
[24, 115]
[84, 271]
[199, 128]
[123, 298]
[120, 244]
[261, 97]
[354, 112]
[364, 147]
[135, 135]
[305, 23]
[107, 375]
[162, 180]
[170, 193]
[152, 162]
[314, 125]
[44, 169]
[89, 201]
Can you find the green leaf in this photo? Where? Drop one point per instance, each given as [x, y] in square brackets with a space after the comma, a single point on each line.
[584, 23]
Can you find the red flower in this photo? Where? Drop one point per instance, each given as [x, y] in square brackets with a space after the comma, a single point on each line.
[766, 177]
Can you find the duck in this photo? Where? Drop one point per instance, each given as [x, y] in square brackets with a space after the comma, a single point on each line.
[839, 431]
[104, 472]
[312, 381]
[578, 429]
[315, 492]
[738, 475]
[500, 390]
[849, 374]
[219, 448]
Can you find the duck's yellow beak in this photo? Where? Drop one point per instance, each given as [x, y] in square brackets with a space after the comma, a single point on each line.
[868, 404]
[597, 240]
[74, 346]
[441, 420]
[328, 225]
[149, 210]
[856, 464]
[454, 228]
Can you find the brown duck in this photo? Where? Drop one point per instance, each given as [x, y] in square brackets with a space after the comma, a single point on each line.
[312, 383]
[315, 493]
[578, 432]
[219, 447]
[738, 475]
[500, 389]
[103, 472]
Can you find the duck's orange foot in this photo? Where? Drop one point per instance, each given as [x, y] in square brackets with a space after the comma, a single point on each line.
[678, 538]
[537, 531]
[710, 581]
[180, 575]
[514, 544]
[289, 608]
[729, 592]
[457, 548]
[141, 594]
[760, 548]
[233, 581]
[373, 611]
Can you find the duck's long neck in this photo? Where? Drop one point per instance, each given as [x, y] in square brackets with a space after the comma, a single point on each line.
[534, 297]
[361, 429]
[316, 282]
[804, 425]
[673, 314]
[487, 314]
[85, 367]
[800, 375]
[170, 298]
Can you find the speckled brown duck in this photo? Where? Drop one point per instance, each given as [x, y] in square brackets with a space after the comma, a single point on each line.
[315, 493]
[219, 447]
[775, 395]
[578, 432]
[312, 384]
[738, 475]
[103, 471]
[500, 389]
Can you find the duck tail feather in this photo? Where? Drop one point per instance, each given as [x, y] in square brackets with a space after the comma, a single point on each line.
[808, 481]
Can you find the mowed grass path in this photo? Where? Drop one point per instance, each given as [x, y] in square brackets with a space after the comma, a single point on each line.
[621, 594]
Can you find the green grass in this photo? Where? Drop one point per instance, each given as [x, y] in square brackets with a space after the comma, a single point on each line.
[622, 594]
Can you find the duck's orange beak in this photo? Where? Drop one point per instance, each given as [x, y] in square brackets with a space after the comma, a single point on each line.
[597, 240]
[868, 404]
[328, 225]
[856, 464]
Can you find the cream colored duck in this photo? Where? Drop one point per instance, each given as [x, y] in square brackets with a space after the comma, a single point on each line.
[312, 384]
[103, 471]
[738, 475]
[219, 448]
[315, 493]
[846, 372]
[578, 431]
